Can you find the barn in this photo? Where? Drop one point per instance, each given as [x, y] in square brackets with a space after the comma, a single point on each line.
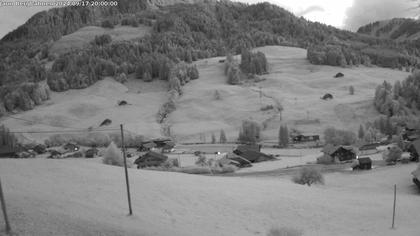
[340, 153]
[305, 138]
[252, 153]
[150, 159]
[363, 163]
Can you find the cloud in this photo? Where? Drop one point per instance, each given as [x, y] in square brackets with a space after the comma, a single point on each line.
[310, 10]
[367, 11]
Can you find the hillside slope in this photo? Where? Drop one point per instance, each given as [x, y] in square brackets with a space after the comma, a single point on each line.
[399, 29]
[292, 80]
[80, 197]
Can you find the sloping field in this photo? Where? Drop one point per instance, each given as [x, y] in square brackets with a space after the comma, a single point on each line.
[81, 109]
[80, 197]
[296, 83]
[85, 35]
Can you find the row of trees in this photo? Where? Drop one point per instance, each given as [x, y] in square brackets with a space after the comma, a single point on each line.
[403, 98]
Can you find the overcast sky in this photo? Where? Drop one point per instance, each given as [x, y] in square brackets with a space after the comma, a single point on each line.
[348, 14]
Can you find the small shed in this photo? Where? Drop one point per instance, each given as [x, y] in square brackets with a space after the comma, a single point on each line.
[105, 122]
[327, 96]
[340, 153]
[338, 75]
[305, 138]
[363, 163]
[414, 150]
[150, 159]
[122, 103]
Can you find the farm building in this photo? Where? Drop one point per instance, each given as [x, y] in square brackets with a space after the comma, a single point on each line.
[368, 149]
[363, 163]
[340, 153]
[414, 150]
[150, 159]
[7, 151]
[252, 153]
[327, 96]
[241, 162]
[305, 138]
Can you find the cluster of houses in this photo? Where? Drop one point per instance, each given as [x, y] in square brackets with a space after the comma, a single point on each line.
[242, 156]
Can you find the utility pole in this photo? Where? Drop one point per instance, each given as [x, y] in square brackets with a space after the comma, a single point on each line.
[126, 171]
[3, 206]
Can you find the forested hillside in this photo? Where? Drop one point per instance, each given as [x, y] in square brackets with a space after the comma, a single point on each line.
[400, 29]
[180, 32]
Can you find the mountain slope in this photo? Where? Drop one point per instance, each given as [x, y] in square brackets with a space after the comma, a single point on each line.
[399, 29]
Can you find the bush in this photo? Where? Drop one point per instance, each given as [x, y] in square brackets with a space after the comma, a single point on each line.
[392, 155]
[284, 231]
[325, 160]
[107, 24]
[309, 176]
[113, 156]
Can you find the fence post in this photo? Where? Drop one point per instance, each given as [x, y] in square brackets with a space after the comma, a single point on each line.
[395, 199]
[3, 206]
[126, 171]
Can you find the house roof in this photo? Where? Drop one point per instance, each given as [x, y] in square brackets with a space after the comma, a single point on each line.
[248, 147]
[149, 145]
[331, 149]
[369, 146]
[154, 155]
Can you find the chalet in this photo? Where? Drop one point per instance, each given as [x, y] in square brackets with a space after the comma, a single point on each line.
[414, 150]
[7, 151]
[252, 153]
[150, 159]
[340, 153]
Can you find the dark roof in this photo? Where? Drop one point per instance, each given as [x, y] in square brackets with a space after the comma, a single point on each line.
[149, 145]
[249, 147]
[153, 155]
[331, 149]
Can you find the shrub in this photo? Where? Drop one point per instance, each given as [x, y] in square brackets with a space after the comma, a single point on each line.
[309, 176]
[284, 231]
[113, 156]
[201, 160]
[392, 155]
[107, 24]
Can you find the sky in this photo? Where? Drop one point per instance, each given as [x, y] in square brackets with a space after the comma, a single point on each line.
[345, 14]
